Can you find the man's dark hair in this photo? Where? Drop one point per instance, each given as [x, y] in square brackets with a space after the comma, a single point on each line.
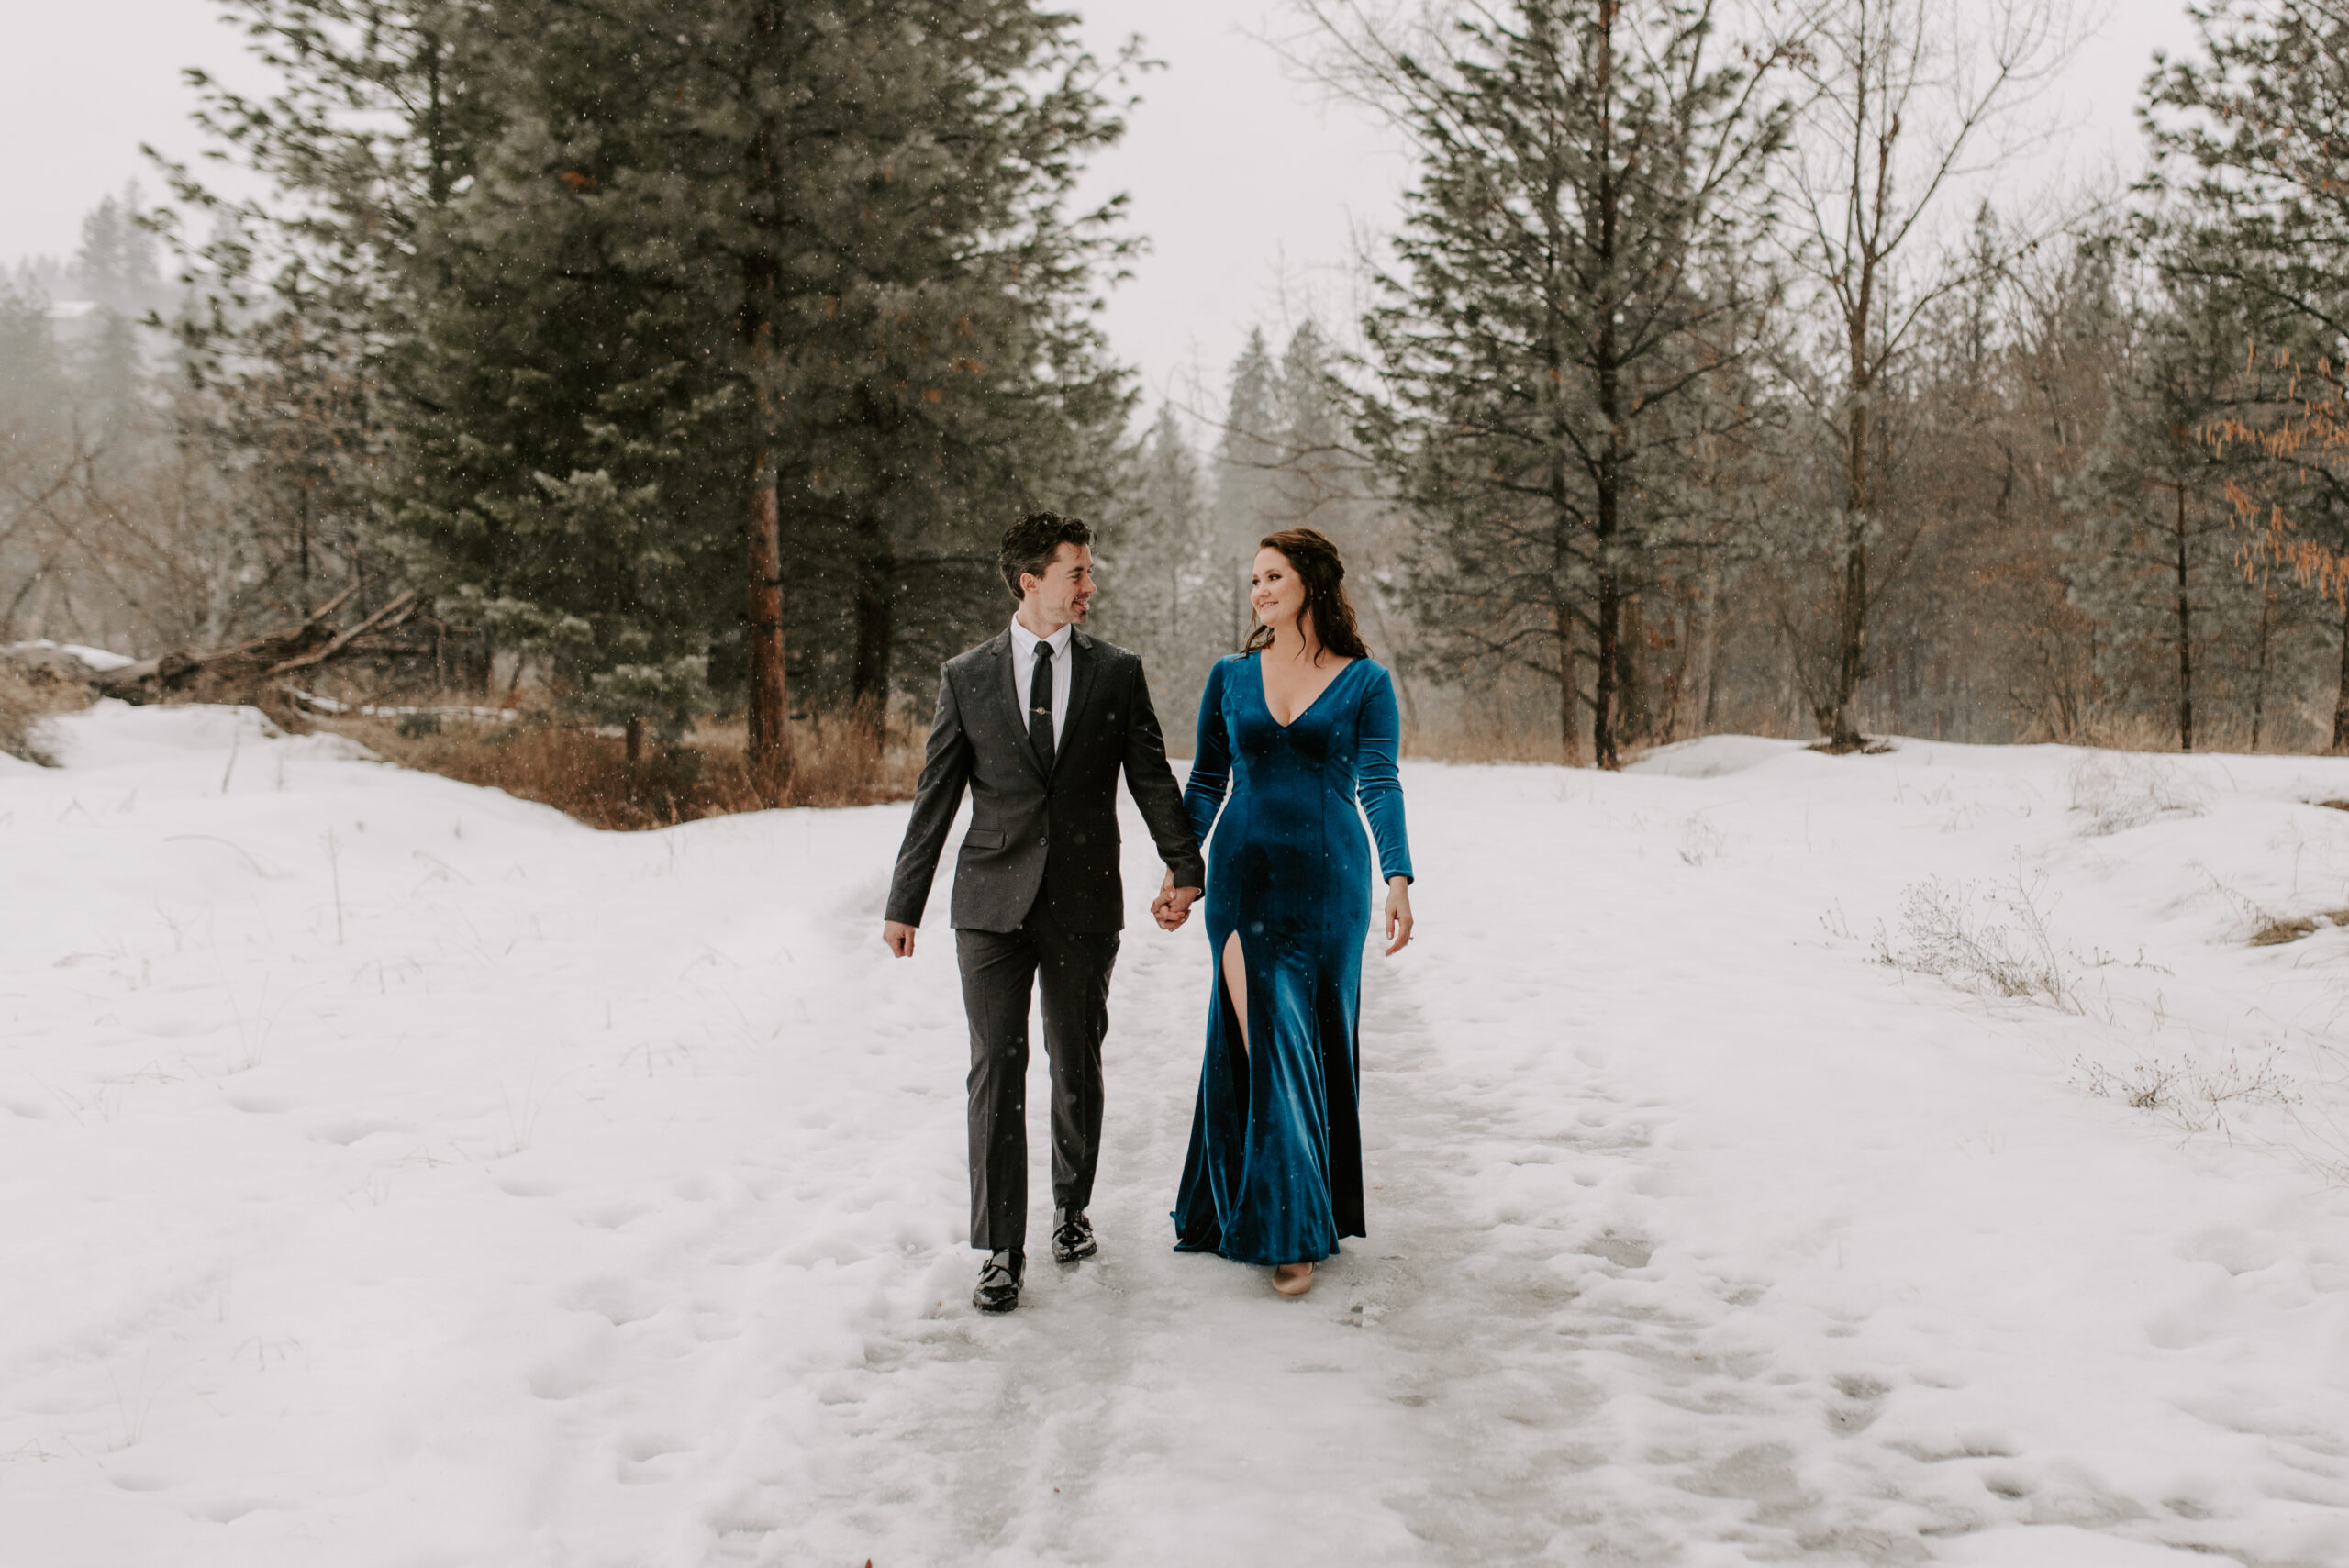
[1032, 543]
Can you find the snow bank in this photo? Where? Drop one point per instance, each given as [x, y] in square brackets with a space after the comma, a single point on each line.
[397, 1172]
[97, 660]
[1712, 756]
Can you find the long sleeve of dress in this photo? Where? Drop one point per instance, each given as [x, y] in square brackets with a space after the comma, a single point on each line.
[1210, 758]
[1378, 783]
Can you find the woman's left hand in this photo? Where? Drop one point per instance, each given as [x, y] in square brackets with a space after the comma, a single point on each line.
[1398, 914]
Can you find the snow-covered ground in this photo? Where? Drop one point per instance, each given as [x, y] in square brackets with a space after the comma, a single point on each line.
[391, 1173]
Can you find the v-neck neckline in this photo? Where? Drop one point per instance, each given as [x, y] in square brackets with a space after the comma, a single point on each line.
[1265, 698]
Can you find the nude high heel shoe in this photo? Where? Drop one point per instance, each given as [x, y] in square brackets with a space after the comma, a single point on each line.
[1292, 1279]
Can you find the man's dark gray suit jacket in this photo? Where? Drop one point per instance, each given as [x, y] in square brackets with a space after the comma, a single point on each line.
[1036, 839]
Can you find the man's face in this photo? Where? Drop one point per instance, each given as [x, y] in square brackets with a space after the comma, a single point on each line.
[1065, 593]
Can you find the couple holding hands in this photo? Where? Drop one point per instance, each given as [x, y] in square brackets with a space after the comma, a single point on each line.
[1294, 731]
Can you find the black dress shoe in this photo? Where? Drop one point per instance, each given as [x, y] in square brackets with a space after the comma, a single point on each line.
[999, 1288]
[1071, 1236]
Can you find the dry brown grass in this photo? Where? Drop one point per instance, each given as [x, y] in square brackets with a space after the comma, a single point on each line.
[20, 720]
[1432, 745]
[1505, 729]
[24, 702]
[2220, 732]
[588, 777]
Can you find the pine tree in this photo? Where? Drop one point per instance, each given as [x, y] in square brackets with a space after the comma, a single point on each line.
[1571, 284]
[1309, 485]
[668, 305]
[2157, 560]
[296, 295]
[1162, 594]
[1246, 458]
[2252, 142]
[1323, 481]
[116, 267]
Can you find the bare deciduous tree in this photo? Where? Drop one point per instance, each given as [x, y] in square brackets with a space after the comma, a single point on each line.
[1907, 99]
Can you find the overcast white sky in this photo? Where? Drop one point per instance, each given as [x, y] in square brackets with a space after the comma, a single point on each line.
[1250, 187]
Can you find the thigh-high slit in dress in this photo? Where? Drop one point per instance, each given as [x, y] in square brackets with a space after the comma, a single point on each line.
[1274, 1174]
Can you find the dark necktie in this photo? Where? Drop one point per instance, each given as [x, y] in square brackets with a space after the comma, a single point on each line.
[1040, 708]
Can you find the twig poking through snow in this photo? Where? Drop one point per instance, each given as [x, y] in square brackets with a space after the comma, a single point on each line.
[2194, 1096]
[334, 876]
[1950, 937]
[2119, 793]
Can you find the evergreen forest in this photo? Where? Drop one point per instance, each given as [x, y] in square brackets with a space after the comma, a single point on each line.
[684, 364]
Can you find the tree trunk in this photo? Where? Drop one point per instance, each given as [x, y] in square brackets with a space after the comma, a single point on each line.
[436, 179]
[302, 544]
[2341, 696]
[1852, 626]
[2185, 639]
[769, 703]
[1603, 750]
[2259, 669]
[635, 738]
[1562, 561]
[1569, 738]
[1680, 684]
[1569, 716]
[1708, 705]
[877, 601]
[1561, 586]
[1851, 621]
[1633, 716]
[1604, 745]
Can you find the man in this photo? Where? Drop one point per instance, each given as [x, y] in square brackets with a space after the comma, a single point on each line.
[1038, 721]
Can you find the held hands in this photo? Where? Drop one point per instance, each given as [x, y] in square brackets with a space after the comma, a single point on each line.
[1398, 914]
[1173, 905]
[1170, 908]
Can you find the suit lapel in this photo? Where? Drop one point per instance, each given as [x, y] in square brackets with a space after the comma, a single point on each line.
[1080, 686]
[1006, 707]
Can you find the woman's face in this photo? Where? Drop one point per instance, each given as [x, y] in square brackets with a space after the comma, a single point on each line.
[1275, 589]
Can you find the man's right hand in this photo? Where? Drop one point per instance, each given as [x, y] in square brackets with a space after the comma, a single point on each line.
[898, 936]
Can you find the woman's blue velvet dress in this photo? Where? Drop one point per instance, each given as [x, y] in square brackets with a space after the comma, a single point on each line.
[1274, 1170]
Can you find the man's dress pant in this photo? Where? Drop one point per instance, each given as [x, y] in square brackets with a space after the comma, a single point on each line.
[1000, 969]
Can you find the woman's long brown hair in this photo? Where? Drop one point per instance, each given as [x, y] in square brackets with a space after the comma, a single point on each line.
[1324, 575]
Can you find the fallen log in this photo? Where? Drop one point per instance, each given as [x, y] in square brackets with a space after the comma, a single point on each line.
[251, 671]
[390, 616]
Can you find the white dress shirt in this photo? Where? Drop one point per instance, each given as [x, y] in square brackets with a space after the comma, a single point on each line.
[1023, 669]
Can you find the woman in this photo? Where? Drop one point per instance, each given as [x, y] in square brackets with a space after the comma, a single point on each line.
[1298, 727]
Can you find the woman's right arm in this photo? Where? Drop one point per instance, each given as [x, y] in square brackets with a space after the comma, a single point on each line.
[1210, 758]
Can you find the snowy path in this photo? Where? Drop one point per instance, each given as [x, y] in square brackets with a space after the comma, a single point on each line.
[395, 1174]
